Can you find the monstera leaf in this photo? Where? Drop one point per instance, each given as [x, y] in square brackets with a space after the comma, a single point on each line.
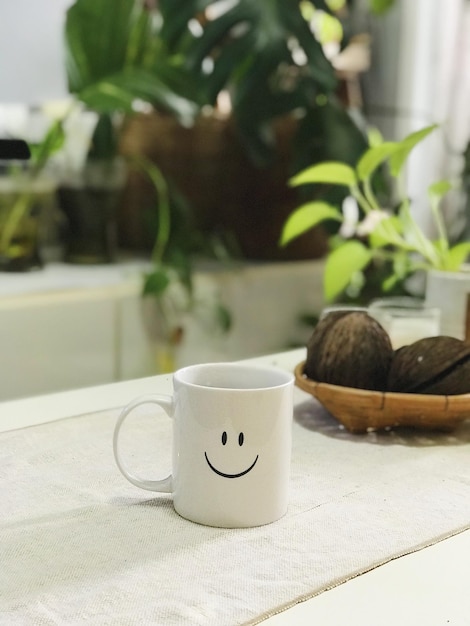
[263, 51]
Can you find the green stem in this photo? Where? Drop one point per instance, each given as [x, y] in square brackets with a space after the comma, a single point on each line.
[441, 229]
[164, 213]
[361, 199]
[401, 185]
[19, 210]
[385, 255]
[22, 204]
[422, 245]
[394, 238]
[369, 194]
[442, 233]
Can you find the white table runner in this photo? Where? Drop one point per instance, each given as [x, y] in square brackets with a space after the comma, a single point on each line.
[78, 544]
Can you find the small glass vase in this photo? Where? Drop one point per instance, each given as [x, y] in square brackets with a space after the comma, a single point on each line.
[26, 200]
[89, 201]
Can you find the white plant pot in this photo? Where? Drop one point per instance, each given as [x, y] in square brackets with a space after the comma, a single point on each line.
[450, 292]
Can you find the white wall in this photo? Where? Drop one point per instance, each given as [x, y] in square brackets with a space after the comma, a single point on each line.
[381, 81]
[31, 51]
[420, 76]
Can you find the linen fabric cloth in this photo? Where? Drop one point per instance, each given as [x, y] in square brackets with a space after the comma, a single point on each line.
[81, 545]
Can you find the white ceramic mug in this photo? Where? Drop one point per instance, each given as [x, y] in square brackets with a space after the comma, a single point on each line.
[232, 439]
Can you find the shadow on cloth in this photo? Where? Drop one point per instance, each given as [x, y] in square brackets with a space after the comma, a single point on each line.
[313, 416]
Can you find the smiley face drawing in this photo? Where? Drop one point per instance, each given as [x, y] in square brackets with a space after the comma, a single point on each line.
[241, 439]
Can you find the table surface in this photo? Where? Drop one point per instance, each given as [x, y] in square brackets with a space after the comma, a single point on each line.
[426, 587]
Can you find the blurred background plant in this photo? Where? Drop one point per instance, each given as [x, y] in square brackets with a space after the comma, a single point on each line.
[379, 234]
[26, 192]
[271, 60]
[251, 81]
[266, 89]
[276, 99]
[113, 66]
[233, 96]
[267, 78]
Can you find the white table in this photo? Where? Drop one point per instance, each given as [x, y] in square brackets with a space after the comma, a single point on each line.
[429, 587]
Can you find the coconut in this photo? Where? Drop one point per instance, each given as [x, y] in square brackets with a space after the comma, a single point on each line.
[434, 365]
[349, 348]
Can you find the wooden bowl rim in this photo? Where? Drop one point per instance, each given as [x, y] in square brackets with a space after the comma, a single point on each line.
[309, 385]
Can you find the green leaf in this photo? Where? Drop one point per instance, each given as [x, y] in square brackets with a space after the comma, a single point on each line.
[374, 157]
[439, 189]
[386, 232]
[96, 45]
[341, 265]
[224, 65]
[380, 6]
[114, 56]
[401, 265]
[155, 283]
[457, 255]
[441, 245]
[327, 133]
[305, 217]
[250, 44]
[374, 137]
[104, 144]
[329, 29]
[52, 143]
[389, 283]
[330, 172]
[106, 97]
[398, 159]
[224, 318]
[415, 237]
[119, 91]
[335, 5]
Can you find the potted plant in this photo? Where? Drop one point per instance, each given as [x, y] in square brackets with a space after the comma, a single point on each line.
[171, 301]
[27, 191]
[114, 59]
[284, 112]
[111, 64]
[389, 239]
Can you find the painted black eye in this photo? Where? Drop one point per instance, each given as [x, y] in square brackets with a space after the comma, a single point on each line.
[241, 439]
[224, 438]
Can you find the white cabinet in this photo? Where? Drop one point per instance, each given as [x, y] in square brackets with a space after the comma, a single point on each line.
[55, 342]
[60, 327]
[66, 327]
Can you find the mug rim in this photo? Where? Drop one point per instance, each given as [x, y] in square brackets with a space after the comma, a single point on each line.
[284, 377]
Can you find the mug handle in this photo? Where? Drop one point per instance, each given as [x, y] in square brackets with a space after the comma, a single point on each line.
[166, 403]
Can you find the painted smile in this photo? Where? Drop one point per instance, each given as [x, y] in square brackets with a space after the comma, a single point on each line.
[230, 475]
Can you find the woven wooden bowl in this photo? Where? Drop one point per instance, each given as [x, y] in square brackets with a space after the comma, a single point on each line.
[361, 410]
